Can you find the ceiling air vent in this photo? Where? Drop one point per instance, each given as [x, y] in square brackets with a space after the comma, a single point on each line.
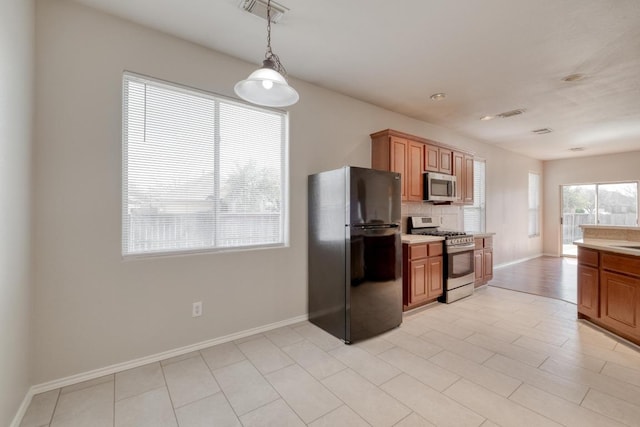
[259, 8]
[542, 131]
[511, 113]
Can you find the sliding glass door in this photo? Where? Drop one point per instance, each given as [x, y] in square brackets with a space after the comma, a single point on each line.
[602, 204]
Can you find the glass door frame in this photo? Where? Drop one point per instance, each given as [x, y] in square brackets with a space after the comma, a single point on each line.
[596, 208]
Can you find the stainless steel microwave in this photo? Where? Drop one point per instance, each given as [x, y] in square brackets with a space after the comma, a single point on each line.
[439, 187]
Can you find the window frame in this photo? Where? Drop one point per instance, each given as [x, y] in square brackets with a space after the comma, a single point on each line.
[284, 240]
[479, 200]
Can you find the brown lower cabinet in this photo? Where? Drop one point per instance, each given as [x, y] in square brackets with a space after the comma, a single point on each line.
[422, 277]
[483, 260]
[609, 291]
[588, 291]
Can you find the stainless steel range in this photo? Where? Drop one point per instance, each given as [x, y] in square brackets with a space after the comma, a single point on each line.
[459, 268]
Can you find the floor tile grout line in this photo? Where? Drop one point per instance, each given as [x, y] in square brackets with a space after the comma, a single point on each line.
[216, 380]
[55, 406]
[444, 393]
[516, 389]
[585, 396]
[319, 381]
[598, 389]
[540, 413]
[378, 387]
[164, 377]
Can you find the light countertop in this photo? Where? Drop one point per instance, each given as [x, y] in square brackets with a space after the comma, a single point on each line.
[416, 238]
[483, 234]
[617, 246]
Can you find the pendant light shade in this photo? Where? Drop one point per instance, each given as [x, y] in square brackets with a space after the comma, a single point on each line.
[268, 85]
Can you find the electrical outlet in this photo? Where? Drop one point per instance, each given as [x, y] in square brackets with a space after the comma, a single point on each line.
[196, 309]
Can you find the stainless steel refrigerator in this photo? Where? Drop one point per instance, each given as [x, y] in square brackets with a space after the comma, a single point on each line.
[355, 252]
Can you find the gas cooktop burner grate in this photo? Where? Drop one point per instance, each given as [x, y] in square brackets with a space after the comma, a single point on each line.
[440, 233]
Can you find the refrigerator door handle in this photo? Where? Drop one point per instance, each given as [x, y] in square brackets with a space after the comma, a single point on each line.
[375, 226]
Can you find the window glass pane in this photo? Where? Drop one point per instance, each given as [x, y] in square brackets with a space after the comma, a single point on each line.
[578, 208]
[250, 177]
[617, 204]
[534, 204]
[199, 172]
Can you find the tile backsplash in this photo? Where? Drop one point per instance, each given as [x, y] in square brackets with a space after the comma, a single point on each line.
[449, 217]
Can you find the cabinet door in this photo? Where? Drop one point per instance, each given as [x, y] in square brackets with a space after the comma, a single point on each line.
[398, 160]
[432, 159]
[415, 166]
[467, 191]
[435, 268]
[445, 160]
[588, 289]
[620, 302]
[478, 263]
[458, 171]
[487, 272]
[419, 287]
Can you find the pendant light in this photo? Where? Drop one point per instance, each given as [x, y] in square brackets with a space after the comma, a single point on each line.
[268, 86]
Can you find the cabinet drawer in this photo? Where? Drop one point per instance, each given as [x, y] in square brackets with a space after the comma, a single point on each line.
[418, 251]
[479, 242]
[587, 257]
[424, 250]
[435, 249]
[488, 242]
[621, 263]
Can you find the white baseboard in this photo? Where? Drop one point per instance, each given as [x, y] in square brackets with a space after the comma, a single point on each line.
[119, 367]
[506, 264]
[22, 409]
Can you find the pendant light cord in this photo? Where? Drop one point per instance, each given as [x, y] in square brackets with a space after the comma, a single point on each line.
[269, 52]
[269, 55]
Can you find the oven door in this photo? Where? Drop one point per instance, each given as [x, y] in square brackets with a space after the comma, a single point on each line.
[460, 265]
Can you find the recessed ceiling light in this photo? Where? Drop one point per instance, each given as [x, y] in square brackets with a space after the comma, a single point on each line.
[485, 118]
[573, 77]
[438, 96]
[542, 131]
[576, 149]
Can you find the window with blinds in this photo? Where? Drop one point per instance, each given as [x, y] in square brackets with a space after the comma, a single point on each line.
[534, 204]
[475, 215]
[200, 172]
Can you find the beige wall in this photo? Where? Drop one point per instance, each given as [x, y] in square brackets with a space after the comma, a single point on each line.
[93, 309]
[583, 170]
[16, 106]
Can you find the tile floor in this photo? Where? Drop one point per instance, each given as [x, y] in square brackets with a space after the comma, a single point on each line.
[498, 358]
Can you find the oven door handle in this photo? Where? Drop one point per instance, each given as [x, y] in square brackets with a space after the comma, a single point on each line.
[453, 249]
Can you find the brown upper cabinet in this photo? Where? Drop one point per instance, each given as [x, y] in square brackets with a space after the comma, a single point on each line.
[405, 156]
[463, 170]
[437, 159]
[411, 156]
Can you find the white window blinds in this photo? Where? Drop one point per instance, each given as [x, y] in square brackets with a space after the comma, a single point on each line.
[534, 204]
[200, 172]
[475, 215]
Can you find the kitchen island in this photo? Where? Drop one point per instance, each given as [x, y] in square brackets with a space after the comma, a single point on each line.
[609, 279]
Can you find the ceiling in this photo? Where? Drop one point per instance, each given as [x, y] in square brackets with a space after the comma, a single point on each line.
[488, 56]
